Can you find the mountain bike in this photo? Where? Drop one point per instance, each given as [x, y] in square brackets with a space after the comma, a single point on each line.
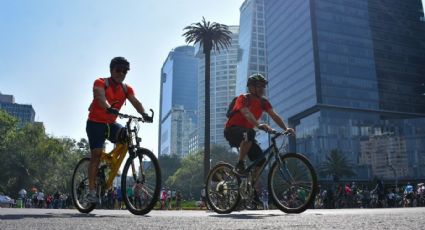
[292, 180]
[140, 178]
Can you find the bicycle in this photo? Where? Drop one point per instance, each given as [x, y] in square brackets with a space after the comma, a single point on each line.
[141, 173]
[292, 181]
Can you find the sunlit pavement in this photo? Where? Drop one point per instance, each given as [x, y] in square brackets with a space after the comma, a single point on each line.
[399, 218]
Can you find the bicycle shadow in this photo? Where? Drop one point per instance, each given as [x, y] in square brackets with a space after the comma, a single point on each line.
[54, 215]
[249, 216]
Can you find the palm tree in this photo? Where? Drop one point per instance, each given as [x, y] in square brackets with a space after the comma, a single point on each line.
[209, 36]
[337, 166]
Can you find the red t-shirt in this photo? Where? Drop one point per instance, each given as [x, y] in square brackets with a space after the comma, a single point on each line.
[254, 105]
[115, 95]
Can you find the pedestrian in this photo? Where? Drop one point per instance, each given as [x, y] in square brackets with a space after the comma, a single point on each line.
[203, 198]
[163, 198]
[265, 199]
[169, 199]
[178, 200]
[119, 198]
[40, 199]
[137, 192]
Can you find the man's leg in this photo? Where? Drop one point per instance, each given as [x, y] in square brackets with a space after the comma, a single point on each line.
[94, 164]
[244, 149]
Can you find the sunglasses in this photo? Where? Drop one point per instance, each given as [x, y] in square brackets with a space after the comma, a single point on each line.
[121, 70]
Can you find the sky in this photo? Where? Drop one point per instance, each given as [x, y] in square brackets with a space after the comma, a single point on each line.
[52, 51]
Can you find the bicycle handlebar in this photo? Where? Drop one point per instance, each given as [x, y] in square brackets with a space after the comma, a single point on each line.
[277, 133]
[122, 115]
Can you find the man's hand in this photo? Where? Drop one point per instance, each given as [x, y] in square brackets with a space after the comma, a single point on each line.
[112, 110]
[147, 118]
[265, 127]
[291, 131]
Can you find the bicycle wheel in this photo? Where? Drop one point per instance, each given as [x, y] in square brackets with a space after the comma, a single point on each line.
[222, 189]
[292, 183]
[80, 186]
[141, 182]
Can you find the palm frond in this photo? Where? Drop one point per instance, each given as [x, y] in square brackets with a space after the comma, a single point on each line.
[208, 35]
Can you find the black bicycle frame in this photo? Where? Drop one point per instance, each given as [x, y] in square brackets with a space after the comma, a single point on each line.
[269, 153]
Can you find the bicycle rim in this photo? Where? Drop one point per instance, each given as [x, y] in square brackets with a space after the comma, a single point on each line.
[222, 189]
[141, 182]
[292, 183]
[80, 186]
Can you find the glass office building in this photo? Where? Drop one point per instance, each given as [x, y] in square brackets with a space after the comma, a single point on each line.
[222, 89]
[24, 113]
[252, 43]
[178, 101]
[350, 75]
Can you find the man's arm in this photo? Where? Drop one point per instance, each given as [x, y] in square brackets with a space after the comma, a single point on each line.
[249, 116]
[136, 104]
[99, 95]
[276, 118]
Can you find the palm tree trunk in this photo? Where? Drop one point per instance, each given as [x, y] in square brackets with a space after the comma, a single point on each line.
[207, 114]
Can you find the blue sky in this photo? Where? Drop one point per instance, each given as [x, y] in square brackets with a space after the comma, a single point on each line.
[51, 52]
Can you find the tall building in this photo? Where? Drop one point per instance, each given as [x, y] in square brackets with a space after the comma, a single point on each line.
[344, 71]
[252, 43]
[24, 113]
[252, 51]
[222, 85]
[178, 102]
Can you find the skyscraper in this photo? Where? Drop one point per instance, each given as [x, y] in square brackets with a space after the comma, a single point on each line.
[24, 113]
[178, 101]
[222, 83]
[252, 43]
[344, 72]
[252, 51]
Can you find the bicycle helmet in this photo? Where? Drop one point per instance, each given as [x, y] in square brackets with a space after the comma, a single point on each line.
[119, 62]
[255, 78]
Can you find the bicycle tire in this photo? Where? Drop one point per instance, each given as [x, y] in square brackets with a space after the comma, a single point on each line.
[216, 188]
[301, 166]
[142, 155]
[77, 196]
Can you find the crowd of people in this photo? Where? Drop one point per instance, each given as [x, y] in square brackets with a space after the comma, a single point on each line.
[342, 195]
[380, 196]
[39, 199]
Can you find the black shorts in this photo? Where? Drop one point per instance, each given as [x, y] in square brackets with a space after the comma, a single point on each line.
[235, 135]
[99, 132]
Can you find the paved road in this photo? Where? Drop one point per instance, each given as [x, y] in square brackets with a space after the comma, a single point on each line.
[46, 219]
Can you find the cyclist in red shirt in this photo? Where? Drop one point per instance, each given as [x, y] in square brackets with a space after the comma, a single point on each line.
[248, 108]
[109, 94]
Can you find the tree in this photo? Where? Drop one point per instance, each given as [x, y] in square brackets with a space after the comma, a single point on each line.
[32, 158]
[337, 166]
[209, 36]
[188, 178]
[169, 165]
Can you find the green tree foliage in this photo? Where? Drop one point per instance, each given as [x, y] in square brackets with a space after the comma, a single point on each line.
[30, 158]
[337, 166]
[188, 178]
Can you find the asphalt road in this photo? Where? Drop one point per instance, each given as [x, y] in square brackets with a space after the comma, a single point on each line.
[46, 219]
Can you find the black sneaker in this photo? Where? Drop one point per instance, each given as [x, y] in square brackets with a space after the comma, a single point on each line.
[240, 168]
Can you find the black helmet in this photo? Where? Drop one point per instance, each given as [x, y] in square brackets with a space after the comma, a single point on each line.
[253, 79]
[119, 61]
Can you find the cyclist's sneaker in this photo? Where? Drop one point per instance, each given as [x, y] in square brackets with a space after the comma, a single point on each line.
[91, 198]
[240, 168]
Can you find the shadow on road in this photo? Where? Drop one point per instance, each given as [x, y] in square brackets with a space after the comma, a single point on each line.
[248, 216]
[52, 215]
